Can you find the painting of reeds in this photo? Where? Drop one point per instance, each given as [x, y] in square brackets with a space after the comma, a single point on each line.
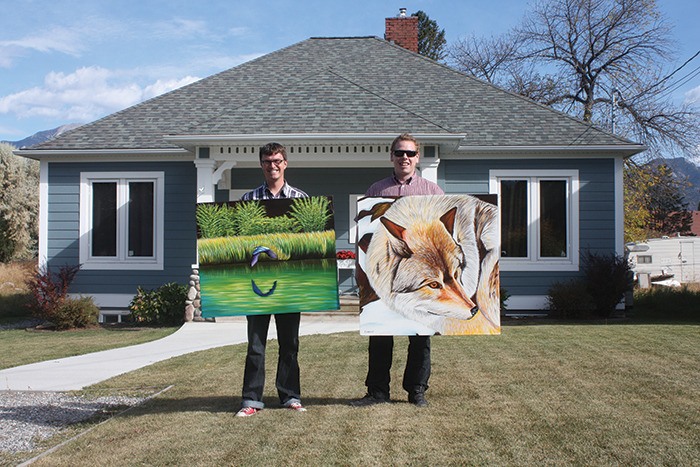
[267, 256]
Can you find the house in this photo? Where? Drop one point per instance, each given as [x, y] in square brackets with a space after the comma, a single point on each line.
[118, 195]
[669, 258]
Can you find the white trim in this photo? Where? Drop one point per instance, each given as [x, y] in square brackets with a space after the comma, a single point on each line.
[429, 169]
[352, 224]
[533, 262]
[43, 214]
[258, 139]
[526, 302]
[619, 208]
[624, 150]
[67, 155]
[122, 260]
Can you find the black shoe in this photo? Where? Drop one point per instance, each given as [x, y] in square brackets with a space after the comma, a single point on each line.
[368, 400]
[418, 399]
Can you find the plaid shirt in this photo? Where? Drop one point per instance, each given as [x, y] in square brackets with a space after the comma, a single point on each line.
[262, 192]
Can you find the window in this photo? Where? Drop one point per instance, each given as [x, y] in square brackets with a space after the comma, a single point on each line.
[538, 219]
[121, 220]
[643, 259]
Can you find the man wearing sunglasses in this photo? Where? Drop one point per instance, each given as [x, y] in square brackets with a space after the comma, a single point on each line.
[273, 161]
[405, 181]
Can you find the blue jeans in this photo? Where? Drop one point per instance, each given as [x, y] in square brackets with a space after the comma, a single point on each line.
[288, 386]
[416, 373]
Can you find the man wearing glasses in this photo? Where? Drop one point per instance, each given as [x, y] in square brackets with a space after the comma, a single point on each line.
[404, 182]
[273, 160]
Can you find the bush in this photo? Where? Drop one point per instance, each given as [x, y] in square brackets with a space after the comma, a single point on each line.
[503, 296]
[607, 278]
[49, 290]
[570, 300]
[668, 303]
[76, 313]
[162, 306]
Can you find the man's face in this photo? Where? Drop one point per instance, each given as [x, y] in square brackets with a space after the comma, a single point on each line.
[273, 167]
[405, 166]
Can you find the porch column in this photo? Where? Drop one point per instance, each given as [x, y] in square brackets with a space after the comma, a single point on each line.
[429, 169]
[205, 180]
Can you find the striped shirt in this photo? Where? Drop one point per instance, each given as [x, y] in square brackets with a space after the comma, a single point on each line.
[416, 185]
[262, 192]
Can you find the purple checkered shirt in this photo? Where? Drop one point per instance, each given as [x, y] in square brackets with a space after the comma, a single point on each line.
[416, 185]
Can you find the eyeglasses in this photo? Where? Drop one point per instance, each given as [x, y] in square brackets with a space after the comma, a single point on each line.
[402, 152]
[269, 162]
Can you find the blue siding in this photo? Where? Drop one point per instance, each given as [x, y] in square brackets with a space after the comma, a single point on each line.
[180, 231]
[596, 207]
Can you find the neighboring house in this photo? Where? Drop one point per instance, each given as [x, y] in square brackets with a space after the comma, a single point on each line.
[118, 195]
[668, 258]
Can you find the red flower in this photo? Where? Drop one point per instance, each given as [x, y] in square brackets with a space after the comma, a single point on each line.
[345, 254]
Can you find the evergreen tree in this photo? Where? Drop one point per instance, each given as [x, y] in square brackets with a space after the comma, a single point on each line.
[431, 39]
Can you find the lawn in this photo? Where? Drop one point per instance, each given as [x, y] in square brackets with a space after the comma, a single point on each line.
[47, 345]
[556, 394]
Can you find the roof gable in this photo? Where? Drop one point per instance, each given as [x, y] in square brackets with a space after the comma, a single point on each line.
[338, 85]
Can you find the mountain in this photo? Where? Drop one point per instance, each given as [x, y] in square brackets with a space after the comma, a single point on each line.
[41, 136]
[685, 170]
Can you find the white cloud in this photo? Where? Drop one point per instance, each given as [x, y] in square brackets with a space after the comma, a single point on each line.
[58, 39]
[693, 96]
[180, 28]
[84, 95]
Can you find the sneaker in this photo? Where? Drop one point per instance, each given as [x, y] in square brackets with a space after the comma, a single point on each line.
[247, 412]
[368, 400]
[297, 407]
[418, 399]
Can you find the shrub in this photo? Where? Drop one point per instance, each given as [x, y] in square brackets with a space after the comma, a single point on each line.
[162, 306]
[76, 313]
[607, 278]
[570, 300]
[503, 296]
[312, 214]
[668, 303]
[49, 290]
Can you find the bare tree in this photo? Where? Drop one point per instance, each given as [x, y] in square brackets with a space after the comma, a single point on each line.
[604, 61]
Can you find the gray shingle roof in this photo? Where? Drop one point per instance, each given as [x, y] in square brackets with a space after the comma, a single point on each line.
[337, 85]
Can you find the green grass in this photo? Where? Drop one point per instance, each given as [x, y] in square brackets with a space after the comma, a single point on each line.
[564, 394]
[39, 346]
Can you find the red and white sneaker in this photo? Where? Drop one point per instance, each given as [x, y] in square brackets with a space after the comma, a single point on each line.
[296, 406]
[247, 412]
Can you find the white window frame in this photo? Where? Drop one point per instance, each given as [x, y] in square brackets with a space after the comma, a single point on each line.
[122, 260]
[533, 262]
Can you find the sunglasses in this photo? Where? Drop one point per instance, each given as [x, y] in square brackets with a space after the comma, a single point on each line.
[401, 153]
[277, 162]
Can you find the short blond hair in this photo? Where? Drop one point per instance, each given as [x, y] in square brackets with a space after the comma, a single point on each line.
[404, 137]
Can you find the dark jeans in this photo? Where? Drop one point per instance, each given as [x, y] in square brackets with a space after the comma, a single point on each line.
[416, 374]
[288, 386]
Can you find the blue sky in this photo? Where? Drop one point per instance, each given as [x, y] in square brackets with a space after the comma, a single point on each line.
[74, 61]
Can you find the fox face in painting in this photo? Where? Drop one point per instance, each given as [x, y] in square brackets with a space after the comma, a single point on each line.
[424, 259]
[425, 267]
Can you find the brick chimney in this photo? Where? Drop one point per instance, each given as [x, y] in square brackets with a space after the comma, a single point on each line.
[403, 31]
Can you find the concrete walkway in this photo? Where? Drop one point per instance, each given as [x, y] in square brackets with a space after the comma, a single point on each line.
[74, 373]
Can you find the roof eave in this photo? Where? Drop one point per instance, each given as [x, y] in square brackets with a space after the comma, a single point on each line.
[39, 154]
[622, 150]
[193, 141]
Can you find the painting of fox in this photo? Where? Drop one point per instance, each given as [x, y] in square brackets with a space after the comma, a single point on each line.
[428, 265]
